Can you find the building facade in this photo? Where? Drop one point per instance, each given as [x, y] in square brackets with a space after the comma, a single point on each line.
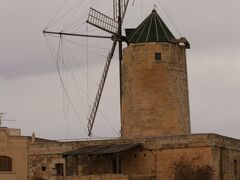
[201, 156]
[13, 155]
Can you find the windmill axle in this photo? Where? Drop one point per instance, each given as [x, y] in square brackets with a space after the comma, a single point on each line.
[118, 38]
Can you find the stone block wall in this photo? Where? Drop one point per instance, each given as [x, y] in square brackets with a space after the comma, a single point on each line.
[43, 166]
[154, 92]
[15, 148]
[158, 157]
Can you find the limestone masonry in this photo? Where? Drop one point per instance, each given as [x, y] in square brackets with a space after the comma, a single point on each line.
[155, 92]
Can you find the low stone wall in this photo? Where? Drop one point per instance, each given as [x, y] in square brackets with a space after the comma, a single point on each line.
[104, 177]
[92, 177]
[138, 177]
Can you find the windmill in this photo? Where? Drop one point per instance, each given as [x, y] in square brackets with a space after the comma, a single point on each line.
[112, 25]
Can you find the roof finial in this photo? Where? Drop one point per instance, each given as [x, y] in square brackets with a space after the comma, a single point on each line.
[33, 138]
[154, 7]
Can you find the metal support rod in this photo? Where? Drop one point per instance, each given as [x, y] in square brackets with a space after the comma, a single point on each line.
[1, 116]
[120, 53]
[118, 164]
[72, 34]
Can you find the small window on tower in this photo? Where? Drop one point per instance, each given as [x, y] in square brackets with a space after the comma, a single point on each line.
[44, 168]
[158, 57]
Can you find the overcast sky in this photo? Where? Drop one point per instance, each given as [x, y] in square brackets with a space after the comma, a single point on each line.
[31, 92]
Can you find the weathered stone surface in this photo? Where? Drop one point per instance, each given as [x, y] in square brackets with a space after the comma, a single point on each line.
[155, 93]
[155, 158]
[15, 147]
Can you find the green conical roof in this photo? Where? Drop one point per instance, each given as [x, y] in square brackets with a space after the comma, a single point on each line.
[152, 29]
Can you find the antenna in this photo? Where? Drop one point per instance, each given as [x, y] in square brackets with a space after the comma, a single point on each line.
[112, 25]
[133, 3]
[1, 118]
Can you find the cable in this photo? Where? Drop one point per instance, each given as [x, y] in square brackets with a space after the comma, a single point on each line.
[92, 2]
[143, 29]
[111, 126]
[66, 91]
[168, 14]
[75, 24]
[100, 3]
[87, 70]
[64, 94]
[63, 85]
[91, 46]
[75, 82]
[160, 21]
[81, 46]
[174, 22]
[92, 80]
[141, 25]
[55, 14]
[59, 57]
[84, 48]
[65, 103]
[74, 14]
[68, 12]
[93, 52]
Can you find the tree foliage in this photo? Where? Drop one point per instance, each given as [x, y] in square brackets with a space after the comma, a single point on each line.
[187, 170]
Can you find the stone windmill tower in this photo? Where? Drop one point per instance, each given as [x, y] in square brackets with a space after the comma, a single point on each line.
[153, 74]
[154, 78]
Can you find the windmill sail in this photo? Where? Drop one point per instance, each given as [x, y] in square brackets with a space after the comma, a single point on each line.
[93, 113]
[113, 26]
[102, 21]
[123, 7]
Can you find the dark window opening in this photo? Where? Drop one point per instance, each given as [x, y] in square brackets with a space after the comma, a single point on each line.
[117, 167]
[235, 168]
[158, 57]
[71, 166]
[114, 166]
[59, 169]
[44, 168]
[5, 163]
